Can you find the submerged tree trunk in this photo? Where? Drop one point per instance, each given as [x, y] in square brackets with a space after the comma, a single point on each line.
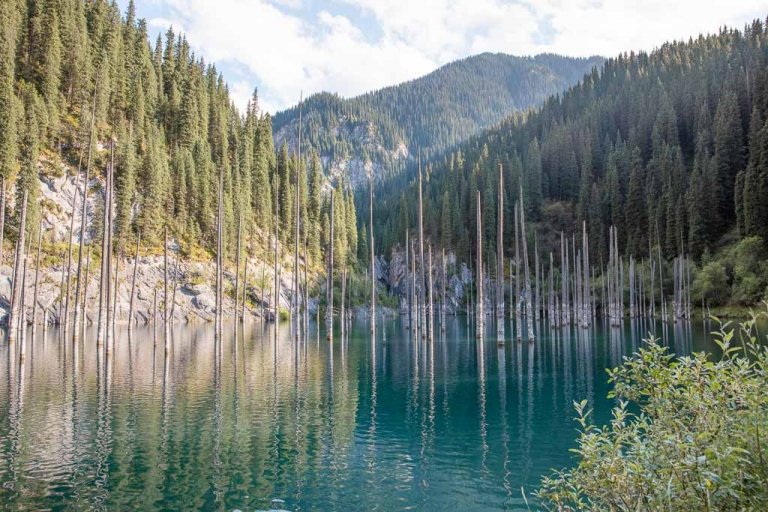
[37, 278]
[479, 271]
[16, 285]
[133, 283]
[422, 309]
[2, 219]
[373, 262]
[65, 313]
[329, 286]
[528, 306]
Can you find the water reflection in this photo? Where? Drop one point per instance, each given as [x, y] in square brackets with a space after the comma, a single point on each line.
[189, 421]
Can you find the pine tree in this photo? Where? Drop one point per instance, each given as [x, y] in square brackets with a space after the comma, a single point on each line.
[729, 155]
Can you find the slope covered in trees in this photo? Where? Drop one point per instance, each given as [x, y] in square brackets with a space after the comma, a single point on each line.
[76, 74]
[669, 146]
[430, 113]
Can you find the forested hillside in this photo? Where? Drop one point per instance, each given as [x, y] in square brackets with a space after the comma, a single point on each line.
[671, 147]
[76, 74]
[428, 114]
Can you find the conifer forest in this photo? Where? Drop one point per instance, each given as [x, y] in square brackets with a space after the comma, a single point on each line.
[389, 299]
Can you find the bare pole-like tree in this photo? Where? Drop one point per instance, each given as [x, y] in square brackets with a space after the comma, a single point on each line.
[166, 309]
[83, 223]
[104, 273]
[422, 309]
[2, 217]
[17, 269]
[37, 278]
[528, 306]
[431, 299]
[23, 306]
[133, 283]
[518, 300]
[443, 283]
[479, 271]
[68, 272]
[408, 277]
[500, 253]
[373, 258]
[237, 265]
[295, 290]
[329, 287]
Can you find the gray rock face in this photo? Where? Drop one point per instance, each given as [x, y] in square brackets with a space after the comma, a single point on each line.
[396, 277]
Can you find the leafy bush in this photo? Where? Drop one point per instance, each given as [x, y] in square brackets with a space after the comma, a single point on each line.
[697, 441]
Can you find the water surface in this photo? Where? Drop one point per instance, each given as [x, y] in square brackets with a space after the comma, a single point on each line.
[387, 424]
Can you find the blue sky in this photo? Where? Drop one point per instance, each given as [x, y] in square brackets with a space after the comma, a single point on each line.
[284, 47]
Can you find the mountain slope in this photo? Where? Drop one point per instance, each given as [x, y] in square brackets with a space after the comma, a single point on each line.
[429, 114]
[671, 147]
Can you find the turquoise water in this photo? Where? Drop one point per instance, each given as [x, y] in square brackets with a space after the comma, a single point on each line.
[390, 424]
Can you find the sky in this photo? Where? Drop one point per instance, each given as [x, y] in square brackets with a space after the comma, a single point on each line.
[289, 47]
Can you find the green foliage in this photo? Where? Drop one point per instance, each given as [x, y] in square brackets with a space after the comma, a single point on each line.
[652, 143]
[687, 434]
[434, 112]
[736, 275]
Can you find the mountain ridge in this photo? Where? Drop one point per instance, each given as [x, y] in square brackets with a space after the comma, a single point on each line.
[380, 130]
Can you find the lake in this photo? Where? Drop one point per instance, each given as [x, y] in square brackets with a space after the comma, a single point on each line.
[390, 424]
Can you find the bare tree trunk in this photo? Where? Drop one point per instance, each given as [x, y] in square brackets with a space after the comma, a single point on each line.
[113, 298]
[408, 277]
[133, 283]
[295, 291]
[329, 287]
[444, 279]
[65, 314]
[17, 269]
[104, 271]
[306, 283]
[343, 309]
[37, 278]
[23, 306]
[500, 254]
[166, 309]
[373, 261]
[422, 309]
[176, 286]
[431, 299]
[237, 265]
[219, 256]
[518, 300]
[2, 218]
[528, 307]
[85, 290]
[83, 223]
[245, 282]
[277, 260]
[479, 271]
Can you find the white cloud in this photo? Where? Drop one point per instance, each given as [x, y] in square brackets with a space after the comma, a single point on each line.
[287, 46]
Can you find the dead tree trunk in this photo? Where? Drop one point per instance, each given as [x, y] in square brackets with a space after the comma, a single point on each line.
[13, 318]
[373, 261]
[104, 271]
[528, 306]
[65, 314]
[443, 279]
[431, 299]
[329, 286]
[2, 218]
[23, 306]
[479, 266]
[37, 277]
[237, 265]
[423, 309]
[500, 252]
[133, 283]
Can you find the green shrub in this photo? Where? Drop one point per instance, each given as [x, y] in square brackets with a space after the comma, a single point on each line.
[687, 434]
